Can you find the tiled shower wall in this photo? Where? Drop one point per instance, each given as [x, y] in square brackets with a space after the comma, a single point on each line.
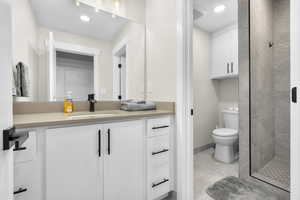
[281, 78]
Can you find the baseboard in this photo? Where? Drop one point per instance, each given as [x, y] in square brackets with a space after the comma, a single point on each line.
[203, 148]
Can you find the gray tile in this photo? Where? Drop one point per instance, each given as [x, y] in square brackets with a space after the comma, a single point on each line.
[207, 171]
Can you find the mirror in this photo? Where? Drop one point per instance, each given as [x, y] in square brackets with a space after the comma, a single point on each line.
[78, 51]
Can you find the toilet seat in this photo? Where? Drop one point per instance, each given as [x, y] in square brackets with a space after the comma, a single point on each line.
[225, 132]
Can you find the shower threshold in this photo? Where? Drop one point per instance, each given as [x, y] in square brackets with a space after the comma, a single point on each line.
[275, 172]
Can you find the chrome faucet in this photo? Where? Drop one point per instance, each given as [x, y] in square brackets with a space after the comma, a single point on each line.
[91, 99]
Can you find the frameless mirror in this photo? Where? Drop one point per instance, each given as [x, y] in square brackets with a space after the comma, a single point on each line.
[77, 51]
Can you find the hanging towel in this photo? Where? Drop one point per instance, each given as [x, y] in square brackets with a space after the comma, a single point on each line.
[21, 80]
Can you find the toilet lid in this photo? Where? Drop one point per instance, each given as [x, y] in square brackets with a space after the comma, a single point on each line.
[225, 132]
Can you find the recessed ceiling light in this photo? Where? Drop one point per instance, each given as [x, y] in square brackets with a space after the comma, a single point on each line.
[219, 8]
[85, 18]
[77, 3]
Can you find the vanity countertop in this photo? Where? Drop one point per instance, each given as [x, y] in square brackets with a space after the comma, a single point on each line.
[55, 119]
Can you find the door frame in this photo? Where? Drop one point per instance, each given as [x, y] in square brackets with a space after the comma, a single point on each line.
[116, 79]
[76, 49]
[184, 100]
[295, 108]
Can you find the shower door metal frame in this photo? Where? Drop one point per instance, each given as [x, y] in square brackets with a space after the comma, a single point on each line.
[293, 18]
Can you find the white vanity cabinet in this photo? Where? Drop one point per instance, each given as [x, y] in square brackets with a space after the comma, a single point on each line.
[224, 53]
[73, 167]
[124, 161]
[26, 185]
[117, 160]
[159, 157]
[95, 162]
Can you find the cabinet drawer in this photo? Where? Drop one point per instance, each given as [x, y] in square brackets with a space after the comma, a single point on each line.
[158, 151]
[27, 151]
[158, 126]
[24, 182]
[159, 182]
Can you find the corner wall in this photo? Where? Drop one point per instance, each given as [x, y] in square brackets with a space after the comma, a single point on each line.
[205, 90]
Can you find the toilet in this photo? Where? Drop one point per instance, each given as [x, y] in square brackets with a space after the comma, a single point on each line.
[226, 138]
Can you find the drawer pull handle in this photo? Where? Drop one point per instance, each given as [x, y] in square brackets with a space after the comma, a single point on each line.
[159, 127]
[159, 152]
[157, 184]
[20, 190]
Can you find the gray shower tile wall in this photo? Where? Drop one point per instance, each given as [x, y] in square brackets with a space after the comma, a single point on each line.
[281, 81]
[244, 62]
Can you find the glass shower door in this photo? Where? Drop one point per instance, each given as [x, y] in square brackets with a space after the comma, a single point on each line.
[270, 91]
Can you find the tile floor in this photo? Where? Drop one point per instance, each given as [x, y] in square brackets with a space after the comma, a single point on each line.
[275, 172]
[207, 171]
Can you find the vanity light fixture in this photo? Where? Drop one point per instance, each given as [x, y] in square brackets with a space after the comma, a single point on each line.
[77, 3]
[85, 18]
[219, 8]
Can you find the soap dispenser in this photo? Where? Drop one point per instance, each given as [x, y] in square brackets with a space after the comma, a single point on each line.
[68, 103]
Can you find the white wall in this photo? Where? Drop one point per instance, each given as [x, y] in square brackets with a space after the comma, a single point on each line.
[210, 96]
[228, 96]
[205, 90]
[161, 49]
[6, 157]
[105, 58]
[25, 42]
[134, 36]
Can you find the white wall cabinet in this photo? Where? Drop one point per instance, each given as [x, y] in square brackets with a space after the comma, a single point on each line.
[224, 55]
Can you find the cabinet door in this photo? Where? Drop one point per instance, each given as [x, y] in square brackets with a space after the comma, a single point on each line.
[219, 55]
[124, 174]
[225, 53]
[73, 165]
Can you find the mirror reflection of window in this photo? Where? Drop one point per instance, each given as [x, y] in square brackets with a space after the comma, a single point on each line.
[75, 74]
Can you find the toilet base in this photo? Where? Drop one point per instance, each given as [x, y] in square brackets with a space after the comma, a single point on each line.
[225, 153]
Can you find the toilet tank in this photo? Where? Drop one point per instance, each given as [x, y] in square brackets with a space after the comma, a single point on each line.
[231, 118]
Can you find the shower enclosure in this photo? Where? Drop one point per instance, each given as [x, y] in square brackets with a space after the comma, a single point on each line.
[270, 92]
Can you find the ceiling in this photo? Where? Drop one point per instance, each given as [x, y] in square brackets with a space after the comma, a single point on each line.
[64, 15]
[206, 19]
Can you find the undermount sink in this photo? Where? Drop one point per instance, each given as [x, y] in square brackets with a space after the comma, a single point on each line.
[91, 115]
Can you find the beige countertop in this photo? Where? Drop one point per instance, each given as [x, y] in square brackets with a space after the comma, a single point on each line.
[55, 119]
